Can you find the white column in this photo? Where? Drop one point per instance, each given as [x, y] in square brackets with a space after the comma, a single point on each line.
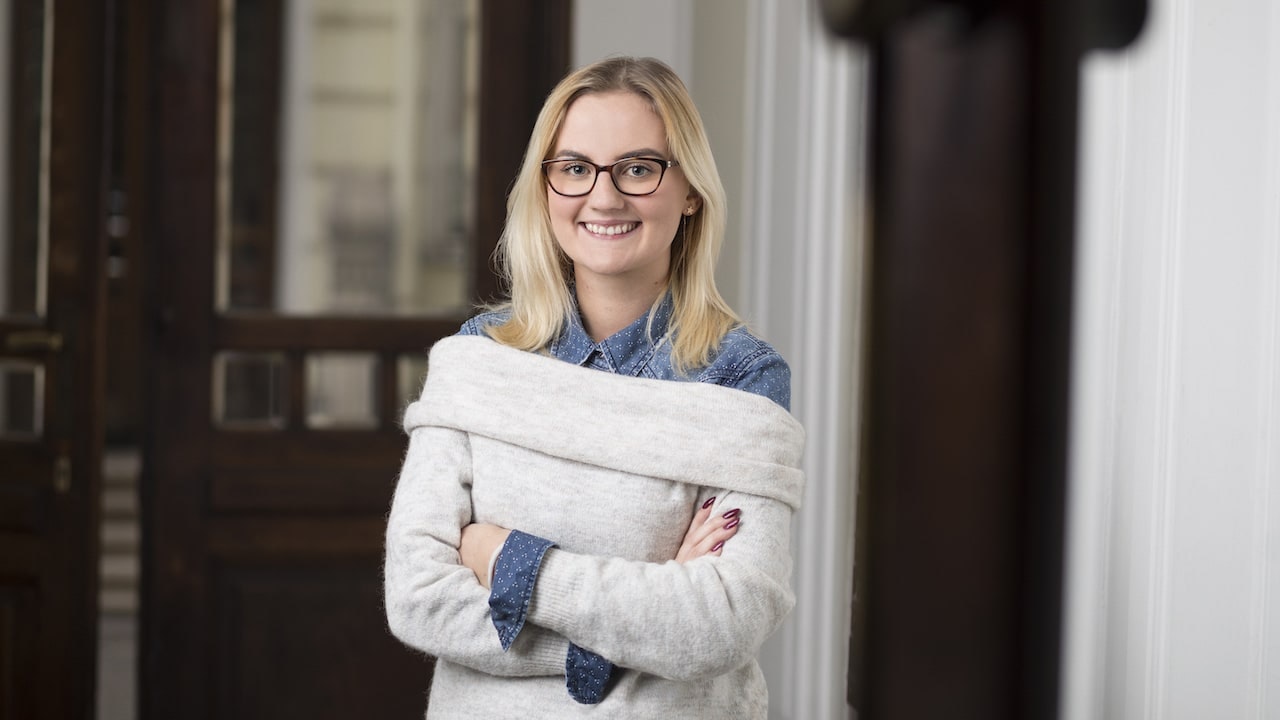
[803, 229]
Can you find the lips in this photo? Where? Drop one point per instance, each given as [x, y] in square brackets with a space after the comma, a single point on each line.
[612, 229]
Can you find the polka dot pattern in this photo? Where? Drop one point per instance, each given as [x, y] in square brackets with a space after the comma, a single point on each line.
[586, 675]
[513, 577]
[643, 349]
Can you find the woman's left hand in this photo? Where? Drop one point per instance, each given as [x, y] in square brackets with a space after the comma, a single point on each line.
[479, 542]
[707, 535]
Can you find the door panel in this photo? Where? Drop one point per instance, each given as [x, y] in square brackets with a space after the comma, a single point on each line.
[292, 318]
[51, 299]
[295, 614]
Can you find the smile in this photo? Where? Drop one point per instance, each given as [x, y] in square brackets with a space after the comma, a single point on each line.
[610, 229]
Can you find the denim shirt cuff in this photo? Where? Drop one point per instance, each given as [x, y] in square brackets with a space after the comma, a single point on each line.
[586, 675]
[513, 578]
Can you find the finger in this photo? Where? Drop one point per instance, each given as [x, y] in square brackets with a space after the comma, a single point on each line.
[704, 511]
[699, 518]
[715, 540]
[706, 532]
[727, 519]
[697, 535]
[694, 543]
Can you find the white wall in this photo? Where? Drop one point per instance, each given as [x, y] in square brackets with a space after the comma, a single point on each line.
[1173, 606]
[654, 28]
[784, 109]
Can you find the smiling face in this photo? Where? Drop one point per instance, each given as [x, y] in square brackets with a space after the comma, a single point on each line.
[620, 240]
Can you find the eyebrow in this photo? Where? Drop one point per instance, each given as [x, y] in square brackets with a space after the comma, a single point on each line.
[642, 152]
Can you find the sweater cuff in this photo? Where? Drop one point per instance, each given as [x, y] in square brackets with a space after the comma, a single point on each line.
[514, 574]
[558, 605]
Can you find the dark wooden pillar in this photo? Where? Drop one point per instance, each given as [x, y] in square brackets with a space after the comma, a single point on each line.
[957, 603]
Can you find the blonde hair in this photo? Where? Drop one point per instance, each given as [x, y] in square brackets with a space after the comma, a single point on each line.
[537, 272]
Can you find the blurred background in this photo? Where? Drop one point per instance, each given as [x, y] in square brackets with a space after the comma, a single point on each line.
[232, 228]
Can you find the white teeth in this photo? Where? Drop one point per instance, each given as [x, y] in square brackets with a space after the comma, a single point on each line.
[610, 229]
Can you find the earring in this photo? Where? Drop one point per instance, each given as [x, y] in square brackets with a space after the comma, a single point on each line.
[688, 210]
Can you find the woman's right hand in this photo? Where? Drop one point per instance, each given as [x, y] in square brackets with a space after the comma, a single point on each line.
[707, 535]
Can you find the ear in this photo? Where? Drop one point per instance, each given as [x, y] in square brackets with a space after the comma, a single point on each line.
[692, 204]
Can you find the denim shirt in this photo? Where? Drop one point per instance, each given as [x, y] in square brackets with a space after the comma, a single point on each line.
[642, 349]
[742, 362]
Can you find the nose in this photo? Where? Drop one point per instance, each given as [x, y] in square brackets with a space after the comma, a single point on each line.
[605, 194]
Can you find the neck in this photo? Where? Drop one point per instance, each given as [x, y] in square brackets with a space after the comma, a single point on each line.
[607, 309]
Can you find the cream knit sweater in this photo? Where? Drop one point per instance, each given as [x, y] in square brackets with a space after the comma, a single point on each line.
[611, 469]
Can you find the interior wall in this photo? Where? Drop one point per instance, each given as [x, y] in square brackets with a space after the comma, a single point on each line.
[719, 87]
[655, 28]
[1173, 609]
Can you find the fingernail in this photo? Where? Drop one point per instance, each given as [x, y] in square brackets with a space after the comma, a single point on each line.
[717, 546]
[710, 501]
[731, 524]
[731, 514]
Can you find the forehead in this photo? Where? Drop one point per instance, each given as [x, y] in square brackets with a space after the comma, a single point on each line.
[610, 125]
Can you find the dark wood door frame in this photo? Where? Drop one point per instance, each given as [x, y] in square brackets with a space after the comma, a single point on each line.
[49, 523]
[232, 520]
[959, 560]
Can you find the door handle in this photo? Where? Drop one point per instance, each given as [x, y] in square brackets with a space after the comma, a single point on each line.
[33, 341]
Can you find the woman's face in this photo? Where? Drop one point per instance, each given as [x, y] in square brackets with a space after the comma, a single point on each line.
[610, 237]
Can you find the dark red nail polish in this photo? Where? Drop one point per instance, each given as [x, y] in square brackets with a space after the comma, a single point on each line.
[710, 501]
[717, 546]
[731, 524]
[731, 514]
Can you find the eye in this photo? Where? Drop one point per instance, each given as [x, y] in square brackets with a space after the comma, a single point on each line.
[637, 169]
[575, 169]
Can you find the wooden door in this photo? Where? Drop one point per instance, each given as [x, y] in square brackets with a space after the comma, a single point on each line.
[273, 441]
[51, 341]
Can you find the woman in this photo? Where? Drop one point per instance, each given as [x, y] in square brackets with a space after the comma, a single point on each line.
[558, 538]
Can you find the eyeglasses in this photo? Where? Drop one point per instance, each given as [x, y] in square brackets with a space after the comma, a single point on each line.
[631, 176]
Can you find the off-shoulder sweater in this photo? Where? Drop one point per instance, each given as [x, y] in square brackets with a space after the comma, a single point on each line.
[612, 469]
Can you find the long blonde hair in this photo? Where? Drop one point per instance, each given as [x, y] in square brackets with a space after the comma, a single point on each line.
[537, 272]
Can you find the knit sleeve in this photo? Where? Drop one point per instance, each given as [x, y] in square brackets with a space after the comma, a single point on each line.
[434, 603]
[515, 572]
[684, 622]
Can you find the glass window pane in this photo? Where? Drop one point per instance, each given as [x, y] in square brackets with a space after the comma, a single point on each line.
[21, 400]
[249, 390]
[348, 155]
[342, 390]
[24, 151]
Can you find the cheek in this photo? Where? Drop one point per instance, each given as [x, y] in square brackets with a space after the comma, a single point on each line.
[563, 212]
[667, 214]
[668, 225]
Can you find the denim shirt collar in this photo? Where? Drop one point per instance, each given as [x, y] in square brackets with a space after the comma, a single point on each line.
[626, 352]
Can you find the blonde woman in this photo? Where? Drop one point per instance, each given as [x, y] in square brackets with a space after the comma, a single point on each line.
[571, 542]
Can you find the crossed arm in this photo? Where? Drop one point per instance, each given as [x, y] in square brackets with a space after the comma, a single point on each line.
[718, 601]
[706, 536]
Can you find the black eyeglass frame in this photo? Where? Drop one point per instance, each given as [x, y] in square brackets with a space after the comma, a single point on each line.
[665, 165]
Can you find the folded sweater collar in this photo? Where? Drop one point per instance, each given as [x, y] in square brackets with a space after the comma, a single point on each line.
[689, 432]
